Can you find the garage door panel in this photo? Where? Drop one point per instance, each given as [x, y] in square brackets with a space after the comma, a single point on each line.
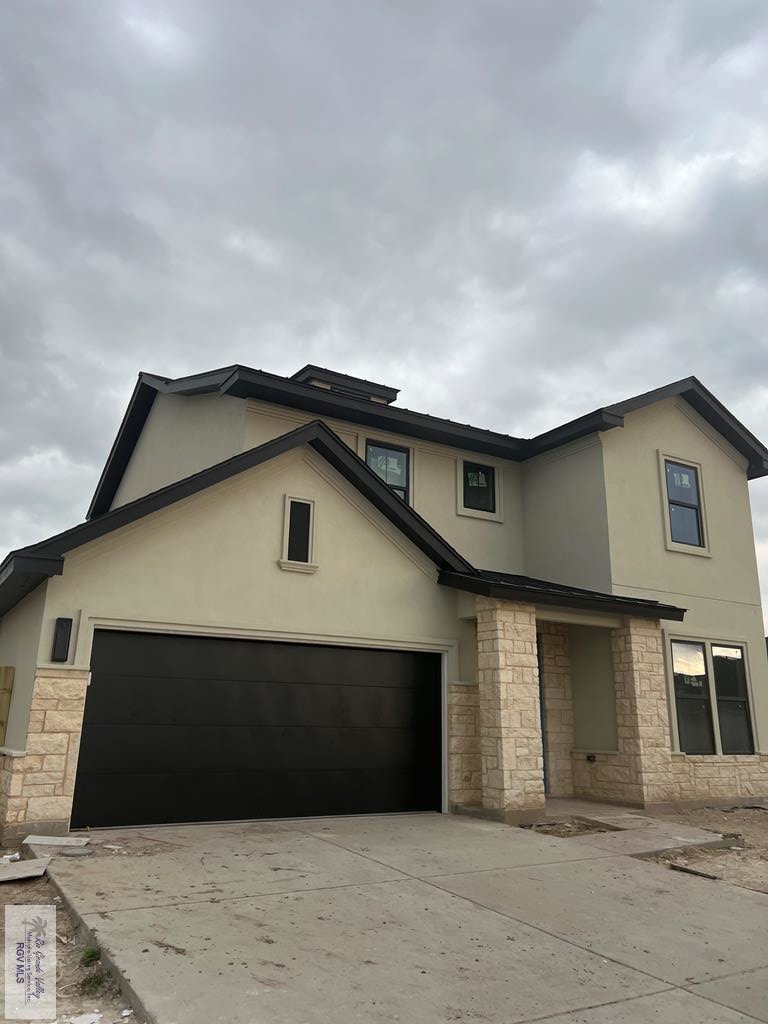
[125, 699]
[185, 657]
[200, 728]
[148, 800]
[156, 749]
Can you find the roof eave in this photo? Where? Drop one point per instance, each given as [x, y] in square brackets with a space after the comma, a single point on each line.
[20, 574]
[475, 584]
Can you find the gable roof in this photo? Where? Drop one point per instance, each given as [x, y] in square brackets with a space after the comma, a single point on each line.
[24, 569]
[295, 392]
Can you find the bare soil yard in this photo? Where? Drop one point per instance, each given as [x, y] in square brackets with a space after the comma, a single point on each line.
[745, 863]
[82, 985]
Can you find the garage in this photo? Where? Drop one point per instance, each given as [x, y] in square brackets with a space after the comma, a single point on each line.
[189, 728]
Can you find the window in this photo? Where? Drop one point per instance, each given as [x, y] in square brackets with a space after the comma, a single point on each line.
[732, 700]
[707, 676]
[479, 483]
[694, 713]
[391, 464]
[298, 540]
[685, 519]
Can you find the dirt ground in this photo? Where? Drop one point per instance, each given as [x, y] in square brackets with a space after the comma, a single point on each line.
[83, 987]
[565, 829]
[745, 863]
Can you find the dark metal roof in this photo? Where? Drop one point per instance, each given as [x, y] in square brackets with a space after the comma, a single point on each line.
[511, 587]
[243, 382]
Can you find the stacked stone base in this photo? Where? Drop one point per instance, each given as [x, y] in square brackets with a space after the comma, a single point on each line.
[36, 790]
[464, 772]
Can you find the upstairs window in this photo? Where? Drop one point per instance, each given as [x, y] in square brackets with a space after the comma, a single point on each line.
[391, 464]
[479, 483]
[684, 498]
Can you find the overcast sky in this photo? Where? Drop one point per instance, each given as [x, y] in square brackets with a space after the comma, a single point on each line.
[514, 211]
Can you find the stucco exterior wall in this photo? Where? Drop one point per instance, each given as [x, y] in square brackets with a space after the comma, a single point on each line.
[19, 641]
[209, 564]
[594, 696]
[720, 588]
[434, 485]
[182, 435]
[565, 519]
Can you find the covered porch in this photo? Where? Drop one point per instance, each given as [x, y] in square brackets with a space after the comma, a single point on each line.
[567, 704]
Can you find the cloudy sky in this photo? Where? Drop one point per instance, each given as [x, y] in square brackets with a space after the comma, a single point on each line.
[514, 211]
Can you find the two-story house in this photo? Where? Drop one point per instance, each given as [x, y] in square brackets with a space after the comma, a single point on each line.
[292, 597]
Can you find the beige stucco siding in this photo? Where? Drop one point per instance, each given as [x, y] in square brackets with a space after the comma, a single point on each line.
[565, 518]
[209, 564]
[720, 589]
[182, 435]
[593, 688]
[19, 639]
[637, 507]
[434, 485]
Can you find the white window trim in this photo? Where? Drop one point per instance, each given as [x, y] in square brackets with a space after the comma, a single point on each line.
[475, 513]
[671, 545]
[708, 642]
[284, 562]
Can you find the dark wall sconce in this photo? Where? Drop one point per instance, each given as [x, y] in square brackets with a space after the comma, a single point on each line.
[61, 635]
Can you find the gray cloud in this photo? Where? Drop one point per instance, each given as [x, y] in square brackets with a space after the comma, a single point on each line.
[515, 212]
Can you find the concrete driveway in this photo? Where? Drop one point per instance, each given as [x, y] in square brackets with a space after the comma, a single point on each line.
[413, 918]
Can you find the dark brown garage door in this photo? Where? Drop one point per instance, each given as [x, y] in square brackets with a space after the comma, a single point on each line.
[207, 729]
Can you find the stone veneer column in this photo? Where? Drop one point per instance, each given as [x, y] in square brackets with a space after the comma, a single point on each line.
[557, 693]
[36, 790]
[510, 724]
[464, 773]
[642, 714]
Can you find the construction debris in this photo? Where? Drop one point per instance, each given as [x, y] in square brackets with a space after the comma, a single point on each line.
[57, 840]
[12, 871]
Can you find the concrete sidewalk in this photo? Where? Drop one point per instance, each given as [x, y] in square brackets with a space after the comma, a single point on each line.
[413, 918]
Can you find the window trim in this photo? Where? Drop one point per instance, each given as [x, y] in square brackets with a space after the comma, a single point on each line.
[476, 513]
[284, 562]
[392, 446]
[702, 550]
[709, 641]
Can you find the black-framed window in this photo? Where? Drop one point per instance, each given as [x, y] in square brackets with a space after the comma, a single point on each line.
[694, 709]
[391, 464]
[732, 699]
[299, 530]
[684, 498]
[479, 483]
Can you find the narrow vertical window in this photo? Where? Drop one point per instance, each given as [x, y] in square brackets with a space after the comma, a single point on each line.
[732, 701]
[298, 531]
[684, 500]
[694, 710]
[298, 535]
